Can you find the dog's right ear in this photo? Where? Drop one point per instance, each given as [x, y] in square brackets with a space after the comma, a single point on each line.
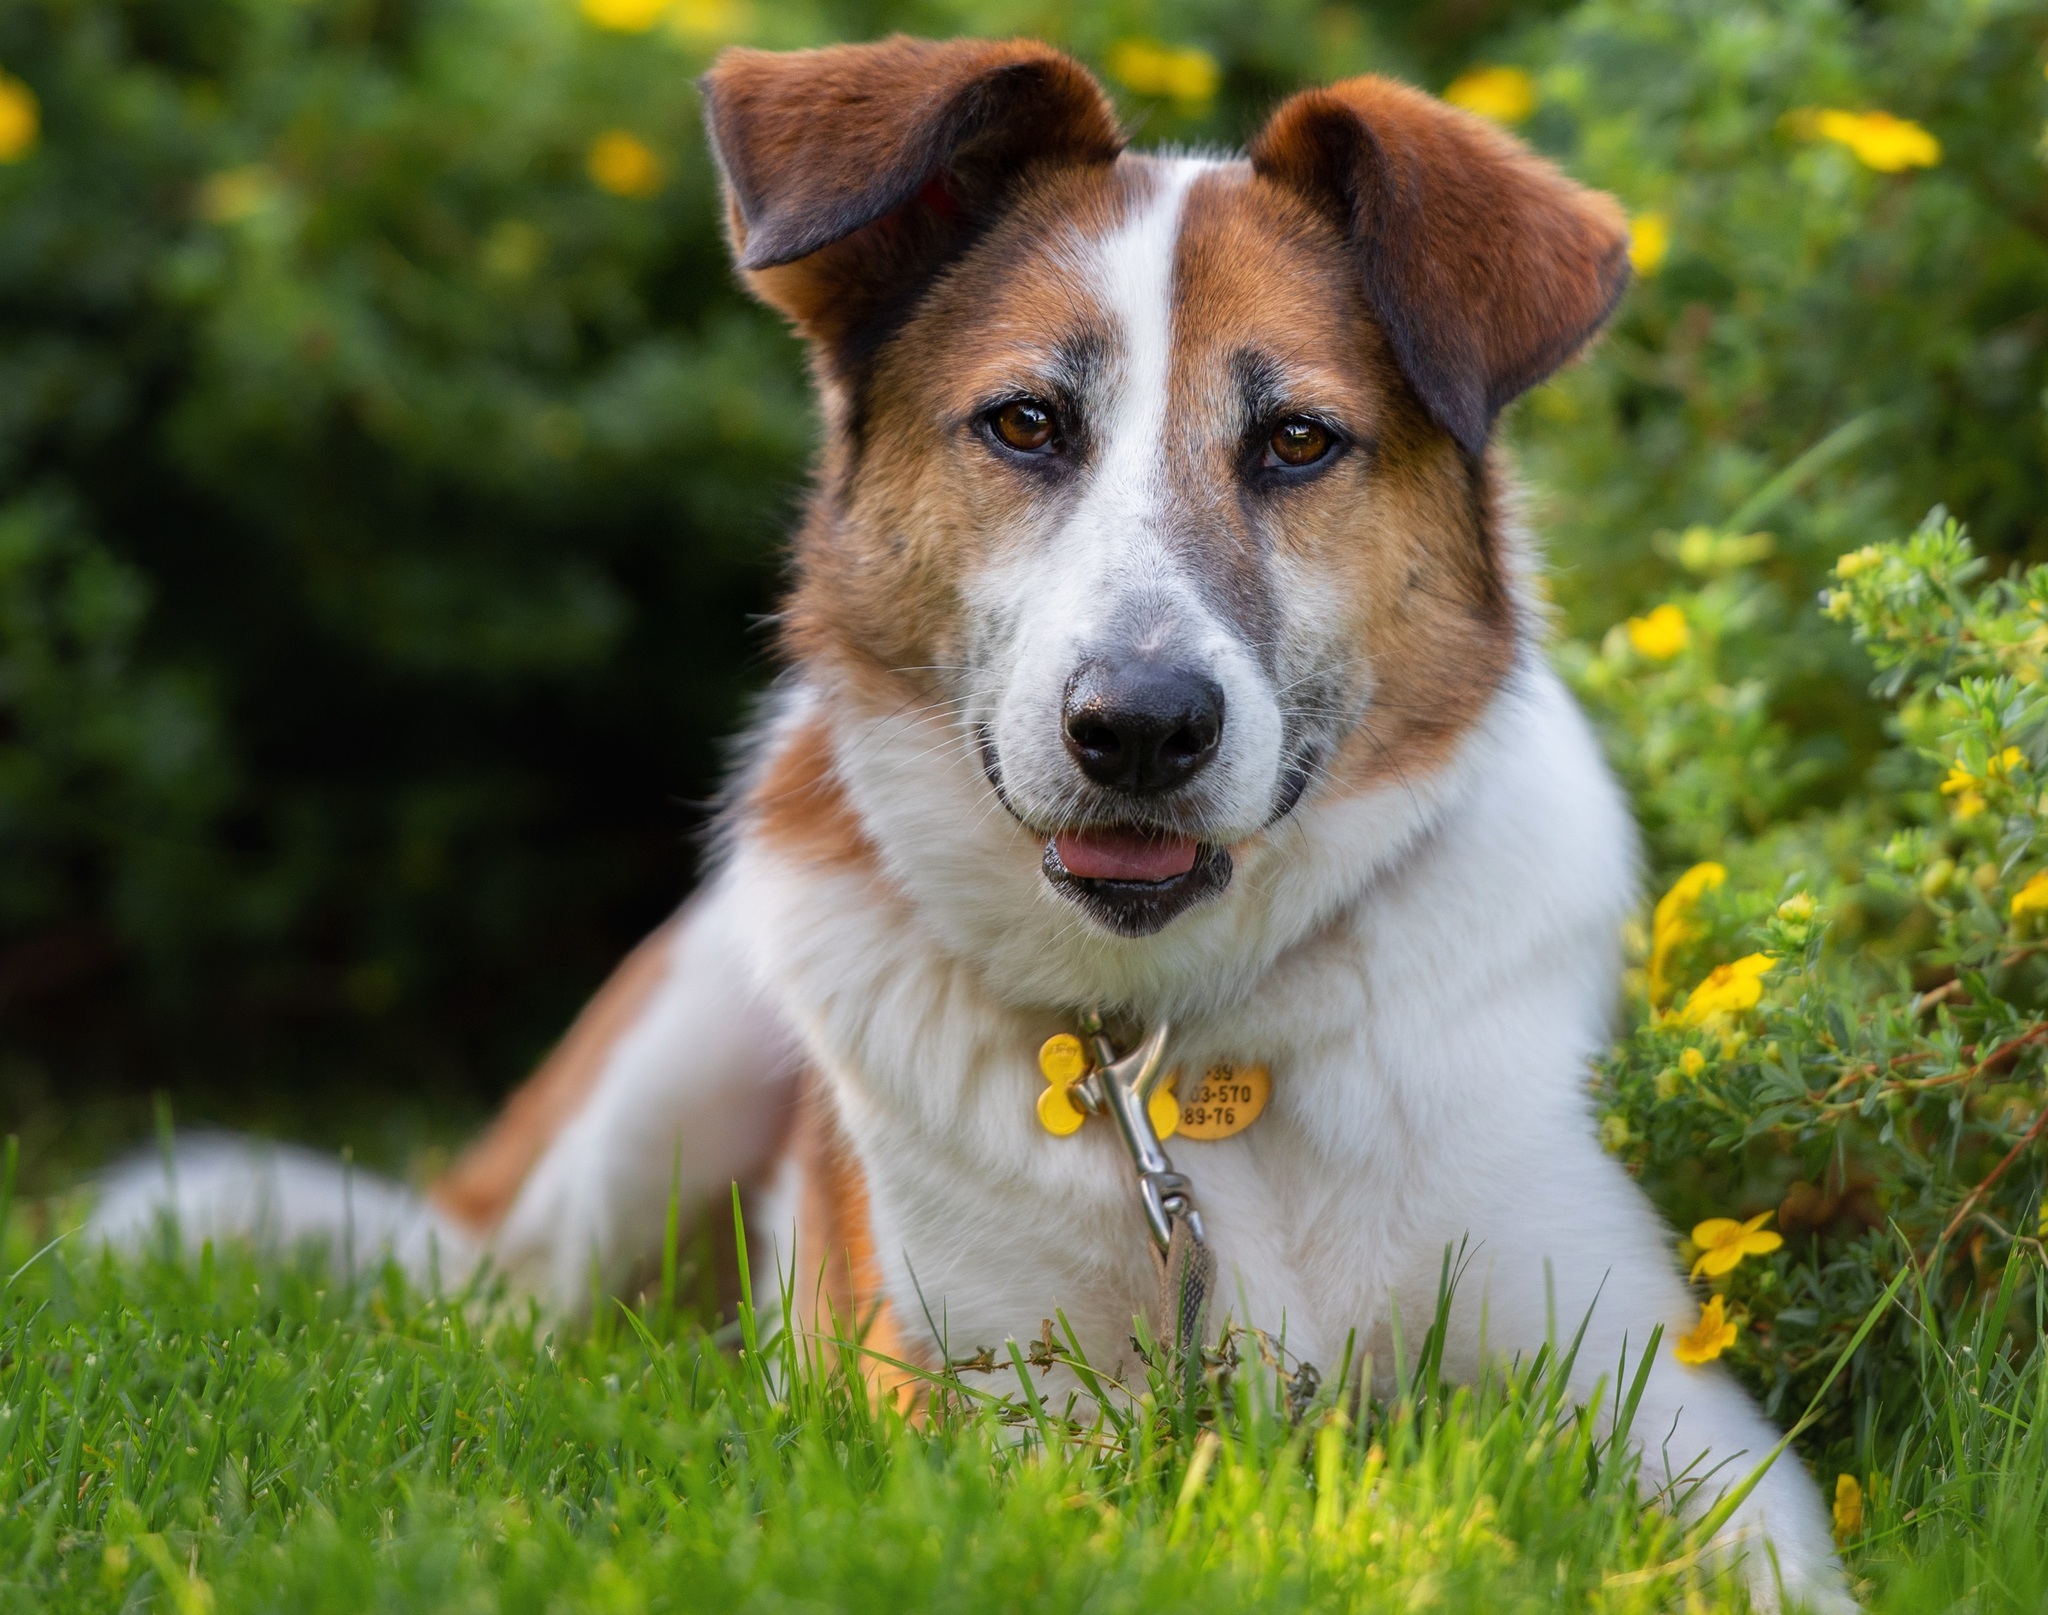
[855, 172]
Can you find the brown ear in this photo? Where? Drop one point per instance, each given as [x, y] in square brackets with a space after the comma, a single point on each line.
[1487, 267]
[854, 171]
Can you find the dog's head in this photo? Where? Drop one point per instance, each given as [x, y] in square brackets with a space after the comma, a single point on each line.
[1164, 479]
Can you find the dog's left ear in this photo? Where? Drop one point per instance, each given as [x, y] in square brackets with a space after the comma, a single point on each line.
[1486, 266]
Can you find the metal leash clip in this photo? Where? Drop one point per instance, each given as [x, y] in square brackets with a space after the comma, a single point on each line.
[1122, 1089]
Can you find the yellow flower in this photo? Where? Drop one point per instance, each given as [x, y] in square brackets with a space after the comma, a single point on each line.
[1504, 94]
[1671, 924]
[21, 119]
[1796, 909]
[1728, 990]
[1692, 1062]
[1848, 1507]
[710, 19]
[624, 164]
[1723, 1243]
[1859, 561]
[1881, 141]
[1183, 73]
[1661, 635]
[2031, 898]
[1967, 789]
[1649, 242]
[1708, 1338]
[625, 16]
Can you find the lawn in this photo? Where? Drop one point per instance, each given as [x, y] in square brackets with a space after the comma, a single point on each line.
[218, 1432]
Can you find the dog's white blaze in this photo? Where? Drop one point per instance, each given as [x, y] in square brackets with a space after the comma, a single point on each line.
[1109, 571]
[1133, 275]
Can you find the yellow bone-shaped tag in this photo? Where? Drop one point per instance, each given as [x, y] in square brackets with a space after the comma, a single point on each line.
[1063, 1061]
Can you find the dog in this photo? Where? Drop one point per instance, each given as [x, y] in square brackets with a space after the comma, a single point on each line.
[1163, 643]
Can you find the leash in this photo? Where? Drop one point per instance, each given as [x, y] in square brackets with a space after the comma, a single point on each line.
[1087, 1075]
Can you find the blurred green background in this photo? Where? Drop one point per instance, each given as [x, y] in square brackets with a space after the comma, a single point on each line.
[391, 474]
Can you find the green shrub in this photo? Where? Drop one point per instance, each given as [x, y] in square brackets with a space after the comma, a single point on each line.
[1842, 1022]
[1829, 342]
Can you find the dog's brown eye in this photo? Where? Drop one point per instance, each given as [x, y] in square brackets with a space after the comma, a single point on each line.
[1026, 426]
[1299, 441]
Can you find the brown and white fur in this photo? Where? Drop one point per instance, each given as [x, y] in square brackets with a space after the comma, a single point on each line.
[1414, 866]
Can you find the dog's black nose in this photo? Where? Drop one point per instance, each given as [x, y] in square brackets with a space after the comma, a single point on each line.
[1140, 725]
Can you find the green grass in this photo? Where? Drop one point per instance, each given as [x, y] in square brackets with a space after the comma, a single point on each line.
[219, 1433]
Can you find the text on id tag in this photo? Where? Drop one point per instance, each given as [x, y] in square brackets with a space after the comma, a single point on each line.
[1227, 1100]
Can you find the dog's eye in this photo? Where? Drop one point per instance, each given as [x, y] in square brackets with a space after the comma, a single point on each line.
[1026, 425]
[1298, 441]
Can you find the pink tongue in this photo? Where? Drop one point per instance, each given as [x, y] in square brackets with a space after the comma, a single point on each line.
[1124, 855]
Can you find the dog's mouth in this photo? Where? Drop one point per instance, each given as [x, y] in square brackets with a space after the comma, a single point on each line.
[1133, 879]
[1111, 853]
[1135, 882]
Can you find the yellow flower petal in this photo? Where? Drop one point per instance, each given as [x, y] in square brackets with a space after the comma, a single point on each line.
[1671, 924]
[1728, 990]
[1686, 891]
[624, 164]
[1879, 140]
[625, 16]
[2031, 898]
[21, 119]
[703, 20]
[1649, 242]
[1708, 1338]
[1504, 94]
[1723, 1243]
[1182, 73]
[1848, 1507]
[1660, 635]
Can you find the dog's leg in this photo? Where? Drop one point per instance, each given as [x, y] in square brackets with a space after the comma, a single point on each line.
[677, 1076]
[1575, 1240]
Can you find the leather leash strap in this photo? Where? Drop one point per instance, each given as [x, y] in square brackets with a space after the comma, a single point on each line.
[1187, 1273]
